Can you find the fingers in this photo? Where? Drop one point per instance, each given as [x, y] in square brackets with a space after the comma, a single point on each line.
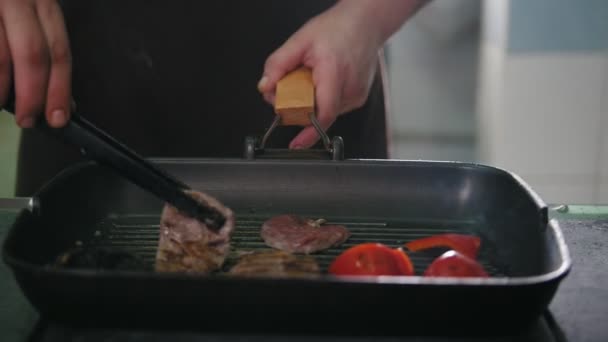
[30, 60]
[328, 91]
[59, 84]
[286, 58]
[5, 66]
[269, 97]
[309, 136]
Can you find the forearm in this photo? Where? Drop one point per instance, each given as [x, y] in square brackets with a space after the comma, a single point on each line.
[382, 17]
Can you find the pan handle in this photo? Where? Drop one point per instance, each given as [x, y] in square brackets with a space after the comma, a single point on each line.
[294, 105]
[252, 151]
[295, 98]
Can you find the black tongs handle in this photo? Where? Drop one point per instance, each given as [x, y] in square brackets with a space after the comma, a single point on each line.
[97, 145]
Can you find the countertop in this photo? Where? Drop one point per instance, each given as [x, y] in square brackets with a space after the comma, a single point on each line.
[578, 311]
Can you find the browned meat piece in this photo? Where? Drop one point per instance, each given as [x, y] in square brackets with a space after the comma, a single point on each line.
[295, 234]
[187, 245]
[275, 264]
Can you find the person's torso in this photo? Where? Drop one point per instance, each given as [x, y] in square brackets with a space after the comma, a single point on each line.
[176, 78]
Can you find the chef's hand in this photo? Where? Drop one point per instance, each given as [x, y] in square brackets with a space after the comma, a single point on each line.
[35, 55]
[341, 47]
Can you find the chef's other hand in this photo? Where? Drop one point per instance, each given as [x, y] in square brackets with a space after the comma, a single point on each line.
[341, 46]
[35, 56]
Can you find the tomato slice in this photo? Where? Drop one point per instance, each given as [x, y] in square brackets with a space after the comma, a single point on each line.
[455, 264]
[372, 259]
[465, 244]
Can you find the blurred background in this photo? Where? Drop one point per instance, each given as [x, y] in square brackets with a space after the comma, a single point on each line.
[517, 84]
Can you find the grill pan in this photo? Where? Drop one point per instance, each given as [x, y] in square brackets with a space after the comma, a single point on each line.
[388, 201]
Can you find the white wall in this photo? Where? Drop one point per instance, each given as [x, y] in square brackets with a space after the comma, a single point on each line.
[542, 98]
[432, 64]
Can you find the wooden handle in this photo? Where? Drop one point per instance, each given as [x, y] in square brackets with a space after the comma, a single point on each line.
[295, 98]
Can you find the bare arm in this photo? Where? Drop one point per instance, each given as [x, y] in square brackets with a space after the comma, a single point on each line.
[383, 17]
[341, 47]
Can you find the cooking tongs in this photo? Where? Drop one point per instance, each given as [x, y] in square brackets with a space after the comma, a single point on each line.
[99, 146]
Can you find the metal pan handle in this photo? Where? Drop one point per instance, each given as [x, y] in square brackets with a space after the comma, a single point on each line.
[295, 106]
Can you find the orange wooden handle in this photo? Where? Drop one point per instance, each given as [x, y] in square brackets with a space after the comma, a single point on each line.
[295, 98]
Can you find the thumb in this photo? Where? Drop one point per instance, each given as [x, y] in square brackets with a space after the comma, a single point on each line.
[284, 59]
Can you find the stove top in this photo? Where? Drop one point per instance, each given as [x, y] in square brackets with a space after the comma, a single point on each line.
[544, 330]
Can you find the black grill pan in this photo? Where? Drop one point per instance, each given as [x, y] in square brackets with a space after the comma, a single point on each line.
[388, 201]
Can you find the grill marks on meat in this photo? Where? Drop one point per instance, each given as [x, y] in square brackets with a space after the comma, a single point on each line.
[187, 245]
[275, 263]
[294, 234]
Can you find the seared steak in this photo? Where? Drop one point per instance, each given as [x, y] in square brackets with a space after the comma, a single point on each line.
[295, 234]
[187, 245]
[275, 263]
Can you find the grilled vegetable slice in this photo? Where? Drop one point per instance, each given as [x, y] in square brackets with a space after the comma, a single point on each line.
[372, 259]
[455, 264]
[465, 244]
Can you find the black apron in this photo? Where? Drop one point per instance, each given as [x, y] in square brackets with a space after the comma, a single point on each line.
[176, 78]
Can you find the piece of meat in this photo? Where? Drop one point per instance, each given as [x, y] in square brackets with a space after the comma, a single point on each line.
[294, 234]
[187, 245]
[275, 263]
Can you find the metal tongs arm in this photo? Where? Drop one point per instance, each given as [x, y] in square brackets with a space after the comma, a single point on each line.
[99, 146]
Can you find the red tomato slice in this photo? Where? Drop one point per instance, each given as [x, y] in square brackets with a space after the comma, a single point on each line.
[454, 264]
[465, 244]
[372, 259]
